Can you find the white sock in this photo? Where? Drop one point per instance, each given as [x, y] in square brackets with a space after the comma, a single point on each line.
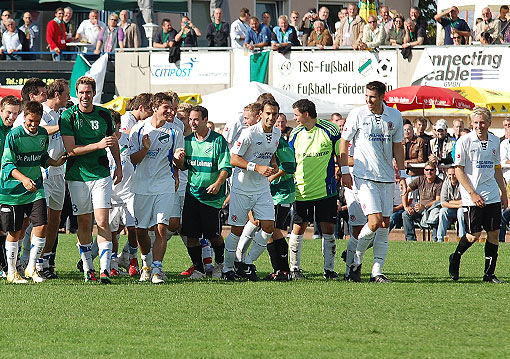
[147, 259]
[105, 256]
[86, 256]
[43, 262]
[364, 239]
[207, 254]
[114, 264]
[380, 250]
[36, 249]
[296, 247]
[351, 251]
[245, 241]
[11, 252]
[366, 233]
[329, 251]
[124, 252]
[95, 248]
[25, 257]
[230, 252]
[152, 236]
[259, 246]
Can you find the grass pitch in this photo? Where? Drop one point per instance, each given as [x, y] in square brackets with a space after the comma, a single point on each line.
[423, 314]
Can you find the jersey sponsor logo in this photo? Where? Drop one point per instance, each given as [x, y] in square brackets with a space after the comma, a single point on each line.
[28, 158]
[352, 217]
[379, 137]
[484, 164]
[164, 138]
[200, 163]
[263, 155]
[153, 154]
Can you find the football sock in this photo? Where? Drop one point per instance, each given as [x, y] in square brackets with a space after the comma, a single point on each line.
[219, 252]
[463, 246]
[207, 255]
[53, 252]
[380, 250]
[282, 250]
[86, 256]
[230, 252]
[295, 246]
[491, 257]
[157, 267]
[245, 241]
[147, 259]
[329, 251]
[11, 252]
[95, 248]
[366, 233]
[364, 240]
[133, 252]
[273, 256]
[349, 256]
[125, 251]
[195, 253]
[114, 263]
[105, 256]
[43, 262]
[259, 246]
[36, 249]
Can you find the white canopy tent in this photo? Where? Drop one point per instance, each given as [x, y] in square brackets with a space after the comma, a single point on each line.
[227, 104]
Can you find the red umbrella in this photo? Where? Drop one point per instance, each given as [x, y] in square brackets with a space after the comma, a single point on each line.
[416, 97]
[5, 91]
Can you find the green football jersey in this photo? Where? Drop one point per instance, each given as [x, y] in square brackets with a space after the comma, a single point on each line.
[283, 189]
[204, 161]
[27, 153]
[87, 128]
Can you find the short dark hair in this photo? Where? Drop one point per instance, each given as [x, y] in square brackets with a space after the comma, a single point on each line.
[159, 98]
[305, 105]
[503, 7]
[143, 99]
[59, 85]
[407, 122]
[377, 86]
[265, 96]
[335, 114]
[244, 11]
[33, 107]
[57, 10]
[253, 18]
[31, 87]
[272, 103]
[203, 111]
[416, 9]
[9, 100]
[165, 20]
[115, 116]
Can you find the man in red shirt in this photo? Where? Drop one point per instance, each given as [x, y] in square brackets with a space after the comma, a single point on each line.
[56, 34]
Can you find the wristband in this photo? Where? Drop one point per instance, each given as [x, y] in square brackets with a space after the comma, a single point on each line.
[250, 166]
[402, 174]
[344, 170]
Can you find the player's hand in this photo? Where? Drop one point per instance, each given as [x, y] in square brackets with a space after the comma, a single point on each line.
[504, 202]
[477, 200]
[117, 175]
[402, 185]
[179, 154]
[347, 180]
[62, 159]
[264, 170]
[432, 158]
[29, 184]
[107, 142]
[409, 210]
[213, 189]
[146, 142]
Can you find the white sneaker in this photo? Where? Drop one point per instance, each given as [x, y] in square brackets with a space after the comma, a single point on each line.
[16, 278]
[157, 278]
[36, 277]
[145, 275]
[218, 268]
[197, 275]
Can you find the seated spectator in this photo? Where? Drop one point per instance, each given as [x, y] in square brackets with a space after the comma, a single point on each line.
[132, 35]
[306, 25]
[31, 32]
[441, 145]
[258, 35]
[341, 14]
[503, 24]
[414, 151]
[218, 31]
[418, 20]
[505, 218]
[397, 32]
[426, 210]
[13, 41]
[165, 38]
[189, 34]
[488, 28]
[319, 37]
[283, 35]
[414, 36]
[69, 24]
[266, 19]
[281, 123]
[452, 23]
[55, 34]
[111, 37]
[90, 29]
[239, 29]
[420, 126]
[398, 207]
[385, 20]
[451, 206]
[457, 40]
[373, 35]
[350, 31]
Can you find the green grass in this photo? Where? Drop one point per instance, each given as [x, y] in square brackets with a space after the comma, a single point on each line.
[423, 314]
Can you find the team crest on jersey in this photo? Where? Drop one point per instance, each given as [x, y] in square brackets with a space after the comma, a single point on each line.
[234, 218]
[352, 217]
[164, 138]
[390, 125]
[269, 137]
[43, 141]
[209, 149]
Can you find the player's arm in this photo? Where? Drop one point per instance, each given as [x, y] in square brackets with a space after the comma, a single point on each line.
[277, 175]
[27, 182]
[498, 175]
[238, 161]
[56, 163]
[73, 149]
[216, 186]
[51, 129]
[466, 183]
[138, 156]
[344, 163]
[117, 174]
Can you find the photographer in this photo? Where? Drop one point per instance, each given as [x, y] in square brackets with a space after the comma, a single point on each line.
[189, 34]
[453, 24]
[306, 25]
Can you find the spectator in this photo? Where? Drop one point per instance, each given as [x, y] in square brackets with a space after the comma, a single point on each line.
[166, 36]
[13, 41]
[55, 34]
[266, 19]
[414, 36]
[397, 32]
[506, 127]
[132, 35]
[189, 34]
[373, 35]
[281, 123]
[351, 28]
[441, 145]
[218, 31]
[385, 19]
[90, 29]
[111, 37]
[420, 125]
[294, 21]
[283, 35]
[338, 119]
[458, 126]
[31, 32]
[503, 24]
[323, 16]
[239, 29]
[320, 36]
[504, 149]
[306, 25]
[452, 24]
[398, 207]
[427, 208]
[451, 206]
[488, 28]
[341, 15]
[258, 36]
[414, 151]
[6, 15]
[69, 23]
[505, 218]
[457, 39]
[419, 21]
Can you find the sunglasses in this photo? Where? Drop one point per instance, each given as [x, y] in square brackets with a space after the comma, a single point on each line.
[371, 22]
[456, 37]
[430, 169]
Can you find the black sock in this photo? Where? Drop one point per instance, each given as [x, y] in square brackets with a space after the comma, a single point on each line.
[273, 256]
[3, 259]
[195, 253]
[463, 246]
[219, 252]
[491, 257]
[282, 249]
[51, 261]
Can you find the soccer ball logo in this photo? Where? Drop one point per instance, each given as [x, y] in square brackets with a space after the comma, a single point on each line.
[385, 68]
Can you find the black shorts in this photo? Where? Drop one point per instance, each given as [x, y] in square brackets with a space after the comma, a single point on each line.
[281, 214]
[478, 218]
[12, 216]
[325, 210]
[199, 219]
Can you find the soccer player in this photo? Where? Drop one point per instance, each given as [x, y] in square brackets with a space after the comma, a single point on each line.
[315, 145]
[153, 143]
[479, 172]
[252, 156]
[21, 189]
[207, 161]
[378, 132]
[87, 130]
[141, 110]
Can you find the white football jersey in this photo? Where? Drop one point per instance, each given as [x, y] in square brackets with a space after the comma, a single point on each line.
[127, 121]
[257, 146]
[375, 136]
[121, 192]
[478, 159]
[155, 174]
[232, 131]
[55, 145]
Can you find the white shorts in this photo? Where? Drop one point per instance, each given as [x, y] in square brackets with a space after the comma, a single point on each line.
[155, 209]
[122, 214]
[55, 191]
[261, 205]
[356, 215]
[375, 197]
[90, 195]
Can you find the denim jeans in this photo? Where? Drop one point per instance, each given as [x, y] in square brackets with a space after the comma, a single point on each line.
[505, 219]
[447, 214]
[410, 232]
[396, 219]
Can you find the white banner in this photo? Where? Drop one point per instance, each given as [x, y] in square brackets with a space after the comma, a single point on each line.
[203, 68]
[337, 76]
[480, 66]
